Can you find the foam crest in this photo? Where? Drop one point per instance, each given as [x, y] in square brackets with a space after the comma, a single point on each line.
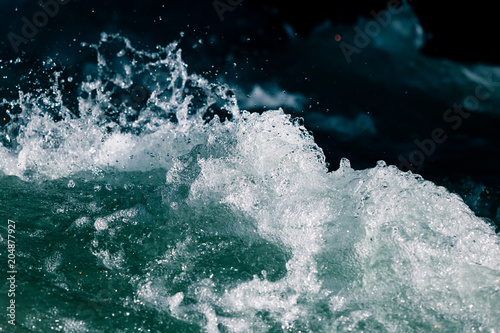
[231, 224]
[130, 104]
[369, 246]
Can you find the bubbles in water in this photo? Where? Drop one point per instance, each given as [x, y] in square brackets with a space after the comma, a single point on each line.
[101, 224]
[241, 227]
[53, 262]
[130, 105]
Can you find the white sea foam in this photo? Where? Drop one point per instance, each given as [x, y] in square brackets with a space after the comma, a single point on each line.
[374, 250]
[374, 245]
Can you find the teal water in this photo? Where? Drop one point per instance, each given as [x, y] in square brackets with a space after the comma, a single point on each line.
[160, 220]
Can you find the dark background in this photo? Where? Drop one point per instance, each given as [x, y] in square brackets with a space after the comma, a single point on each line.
[457, 30]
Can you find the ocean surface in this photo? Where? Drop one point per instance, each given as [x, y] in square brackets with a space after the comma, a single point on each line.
[146, 197]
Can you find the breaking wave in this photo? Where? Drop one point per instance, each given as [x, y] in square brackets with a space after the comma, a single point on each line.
[154, 203]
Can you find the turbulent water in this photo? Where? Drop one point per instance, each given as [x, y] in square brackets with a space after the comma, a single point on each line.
[153, 203]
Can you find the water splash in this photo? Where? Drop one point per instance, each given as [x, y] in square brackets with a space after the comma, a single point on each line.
[158, 213]
[130, 102]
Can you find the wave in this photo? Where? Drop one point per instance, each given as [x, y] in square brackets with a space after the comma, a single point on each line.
[200, 216]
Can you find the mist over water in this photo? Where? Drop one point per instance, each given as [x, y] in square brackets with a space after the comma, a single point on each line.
[153, 203]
